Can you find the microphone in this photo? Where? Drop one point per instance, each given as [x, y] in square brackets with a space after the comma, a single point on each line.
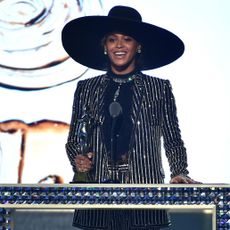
[115, 109]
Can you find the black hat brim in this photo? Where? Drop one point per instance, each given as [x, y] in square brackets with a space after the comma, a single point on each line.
[82, 40]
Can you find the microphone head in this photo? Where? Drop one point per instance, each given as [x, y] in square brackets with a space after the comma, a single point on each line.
[115, 109]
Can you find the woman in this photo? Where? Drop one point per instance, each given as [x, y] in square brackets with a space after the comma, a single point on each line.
[119, 117]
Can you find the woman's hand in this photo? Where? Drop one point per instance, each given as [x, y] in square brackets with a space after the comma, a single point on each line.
[183, 180]
[84, 162]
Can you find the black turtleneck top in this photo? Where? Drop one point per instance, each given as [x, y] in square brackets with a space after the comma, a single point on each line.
[120, 89]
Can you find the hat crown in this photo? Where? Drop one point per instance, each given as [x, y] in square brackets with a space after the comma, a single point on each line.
[125, 12]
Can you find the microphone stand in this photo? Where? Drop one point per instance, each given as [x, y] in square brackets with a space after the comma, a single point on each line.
[115, 111]
[113, 148]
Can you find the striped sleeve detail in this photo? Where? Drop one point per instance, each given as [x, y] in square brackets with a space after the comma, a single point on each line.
[174, 145]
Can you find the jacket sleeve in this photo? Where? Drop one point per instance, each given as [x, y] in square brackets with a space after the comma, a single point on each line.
[173, 143]
[72, 145]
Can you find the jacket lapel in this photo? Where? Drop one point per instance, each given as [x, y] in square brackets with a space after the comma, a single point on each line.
[138, 93]
[100, 98]
[99, 106]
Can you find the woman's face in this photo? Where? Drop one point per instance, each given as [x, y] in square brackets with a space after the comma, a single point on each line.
[121, 50]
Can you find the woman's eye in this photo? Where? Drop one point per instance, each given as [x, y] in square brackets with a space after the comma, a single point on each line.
[111, 39]
[128, 39]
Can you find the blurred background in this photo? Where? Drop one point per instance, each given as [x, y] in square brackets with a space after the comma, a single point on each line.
[38, 80]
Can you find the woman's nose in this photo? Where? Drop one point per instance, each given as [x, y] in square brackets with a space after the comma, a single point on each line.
[119, 43]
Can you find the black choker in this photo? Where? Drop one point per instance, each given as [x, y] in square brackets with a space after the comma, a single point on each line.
[123, 80]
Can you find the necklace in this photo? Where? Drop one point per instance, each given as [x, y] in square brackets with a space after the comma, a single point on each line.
[123, 80]
[117, 92]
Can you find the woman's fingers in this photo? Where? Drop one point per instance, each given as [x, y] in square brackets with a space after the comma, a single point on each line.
[84, 162]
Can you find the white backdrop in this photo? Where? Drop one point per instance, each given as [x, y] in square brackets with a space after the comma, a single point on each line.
[200, 80]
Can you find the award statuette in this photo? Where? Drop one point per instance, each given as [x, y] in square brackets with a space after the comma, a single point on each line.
[83, 133]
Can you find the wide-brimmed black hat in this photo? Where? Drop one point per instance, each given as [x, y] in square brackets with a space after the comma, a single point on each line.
[82, 39]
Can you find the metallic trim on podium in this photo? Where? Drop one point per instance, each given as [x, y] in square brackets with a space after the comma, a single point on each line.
[214, 198]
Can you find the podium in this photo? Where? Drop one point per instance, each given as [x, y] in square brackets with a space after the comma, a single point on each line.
[212, 197]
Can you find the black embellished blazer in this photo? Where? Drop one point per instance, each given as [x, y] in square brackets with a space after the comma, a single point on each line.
[154, 119]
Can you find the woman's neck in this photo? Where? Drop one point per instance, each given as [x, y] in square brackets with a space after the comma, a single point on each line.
[122, 70]
[121, 75]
